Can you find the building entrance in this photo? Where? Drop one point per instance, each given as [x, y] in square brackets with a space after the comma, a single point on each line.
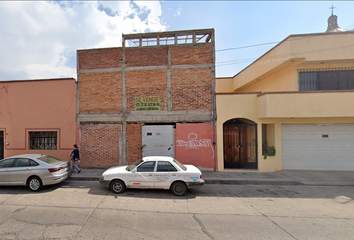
[1, 144]
[158, 140]
[240, 144]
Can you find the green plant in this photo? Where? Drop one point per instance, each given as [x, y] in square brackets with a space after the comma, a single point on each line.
[268, 150]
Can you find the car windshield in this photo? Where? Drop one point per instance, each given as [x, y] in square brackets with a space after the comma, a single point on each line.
[49, 159]
[132, 166]
[180, 164]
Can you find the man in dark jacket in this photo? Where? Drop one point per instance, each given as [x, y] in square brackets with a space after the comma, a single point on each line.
[75, 157]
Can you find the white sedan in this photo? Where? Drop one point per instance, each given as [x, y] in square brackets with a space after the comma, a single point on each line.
[153, 173]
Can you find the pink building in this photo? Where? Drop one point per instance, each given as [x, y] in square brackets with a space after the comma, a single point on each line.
[38, 116]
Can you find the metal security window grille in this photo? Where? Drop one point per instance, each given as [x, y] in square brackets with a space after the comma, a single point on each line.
[43, 140]
[326, 80]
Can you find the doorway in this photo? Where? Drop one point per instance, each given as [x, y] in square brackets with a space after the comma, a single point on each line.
[158, 140]
[240, 144]
[1, 144]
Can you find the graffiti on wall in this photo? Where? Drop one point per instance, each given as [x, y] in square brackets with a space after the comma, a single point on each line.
[195, 143]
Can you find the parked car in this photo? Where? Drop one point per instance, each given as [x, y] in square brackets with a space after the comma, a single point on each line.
[153, 173]
[33, 170]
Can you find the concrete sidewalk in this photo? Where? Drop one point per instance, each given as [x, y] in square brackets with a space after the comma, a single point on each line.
[244, 177]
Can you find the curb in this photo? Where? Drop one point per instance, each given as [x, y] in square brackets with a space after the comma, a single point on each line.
[242, 182]
[251, 182]
[214, 181]
[84, 178]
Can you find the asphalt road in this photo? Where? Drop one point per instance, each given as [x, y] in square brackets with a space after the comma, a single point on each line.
[87, 210]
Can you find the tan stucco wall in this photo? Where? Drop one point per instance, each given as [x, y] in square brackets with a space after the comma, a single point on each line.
[306, 104]
[245, 106]
[38, 105]
[224, 85]
[248, 106]
[232, 106]
[296, 52]
[276, 74]
[284, 80]
[287, 79]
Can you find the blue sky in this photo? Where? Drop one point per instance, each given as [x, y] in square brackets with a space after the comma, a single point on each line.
[39, 39]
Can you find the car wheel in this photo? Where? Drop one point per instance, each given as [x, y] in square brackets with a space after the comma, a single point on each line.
[35, 184]
[179, 188]
[117, 186]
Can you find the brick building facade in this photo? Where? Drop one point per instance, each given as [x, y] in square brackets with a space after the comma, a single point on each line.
[155, 95]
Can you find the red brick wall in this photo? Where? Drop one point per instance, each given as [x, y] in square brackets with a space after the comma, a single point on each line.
[196, 54]
[99, 58]
[99, 146]
[146, 83]
[134, 142]
[136, 57]
[100, 92]
[191, 89]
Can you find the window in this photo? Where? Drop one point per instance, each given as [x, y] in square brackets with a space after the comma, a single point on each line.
[33, 163]
[146, 167]
[49, 159]
[326, 80]
[165, 167]
[7, 163]
[180, 165]
[23, 162]
[133, 165]
[43, 140]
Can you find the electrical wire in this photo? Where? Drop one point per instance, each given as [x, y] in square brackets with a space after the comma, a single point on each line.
[239, 61]
[256, 45]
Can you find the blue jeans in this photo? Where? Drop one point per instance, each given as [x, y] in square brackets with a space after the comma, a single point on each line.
[75, 166]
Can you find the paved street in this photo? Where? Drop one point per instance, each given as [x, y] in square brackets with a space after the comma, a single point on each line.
[86, 210]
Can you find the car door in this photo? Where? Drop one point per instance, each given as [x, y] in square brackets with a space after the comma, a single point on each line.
[19, 173]
[165, 174]
[143, 175]
[5, 165]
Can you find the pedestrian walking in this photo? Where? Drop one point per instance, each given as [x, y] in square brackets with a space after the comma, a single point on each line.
[75, 157]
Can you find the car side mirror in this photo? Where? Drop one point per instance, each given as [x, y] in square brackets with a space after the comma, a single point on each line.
[134, 170]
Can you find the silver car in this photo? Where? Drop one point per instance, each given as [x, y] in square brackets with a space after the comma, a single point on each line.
[33, 171]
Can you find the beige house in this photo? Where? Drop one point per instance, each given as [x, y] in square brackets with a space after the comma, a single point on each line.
[298, 98]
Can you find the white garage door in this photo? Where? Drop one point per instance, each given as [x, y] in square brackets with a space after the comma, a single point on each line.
[158, 140]
[318, 146]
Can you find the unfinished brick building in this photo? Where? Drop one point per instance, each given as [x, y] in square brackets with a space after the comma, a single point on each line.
[155, 95]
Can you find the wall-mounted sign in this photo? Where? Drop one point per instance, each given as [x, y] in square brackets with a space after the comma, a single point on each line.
[147, 103]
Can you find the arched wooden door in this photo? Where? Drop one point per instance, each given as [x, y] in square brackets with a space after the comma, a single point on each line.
[240, 144]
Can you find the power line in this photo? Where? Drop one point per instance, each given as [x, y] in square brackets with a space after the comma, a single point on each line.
[256, 45]
[284, 55]
[262, 44]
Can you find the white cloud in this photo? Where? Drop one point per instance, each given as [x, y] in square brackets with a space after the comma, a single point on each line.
[39, 39]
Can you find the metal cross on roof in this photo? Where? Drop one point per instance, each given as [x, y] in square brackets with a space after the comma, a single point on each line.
[332, 8]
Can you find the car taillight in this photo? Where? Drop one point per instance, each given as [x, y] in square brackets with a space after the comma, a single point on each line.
[201, 176]
[54, 169]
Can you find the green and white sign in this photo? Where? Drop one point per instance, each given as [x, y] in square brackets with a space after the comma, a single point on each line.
[147, 103]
